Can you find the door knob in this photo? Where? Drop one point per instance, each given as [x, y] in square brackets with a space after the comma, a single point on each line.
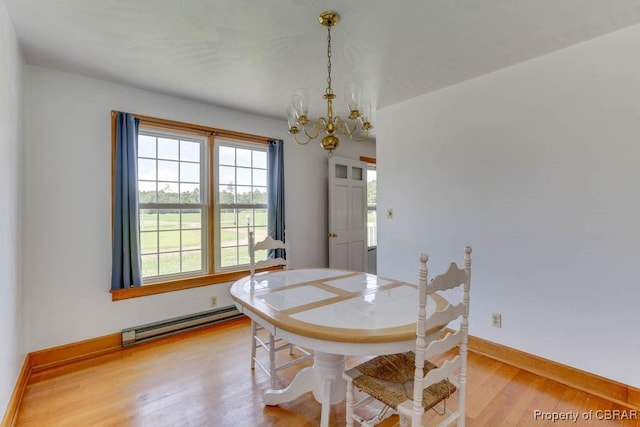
[333, 235]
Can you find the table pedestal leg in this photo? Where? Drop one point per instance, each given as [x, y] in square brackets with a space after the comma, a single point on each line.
[324, 379]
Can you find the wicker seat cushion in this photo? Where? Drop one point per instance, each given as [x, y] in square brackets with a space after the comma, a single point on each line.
[389, 379]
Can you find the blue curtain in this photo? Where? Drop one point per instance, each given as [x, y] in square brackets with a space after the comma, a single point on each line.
[126, 271]
[275, 202]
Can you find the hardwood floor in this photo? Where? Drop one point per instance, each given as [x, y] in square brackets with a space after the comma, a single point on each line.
[202, 378]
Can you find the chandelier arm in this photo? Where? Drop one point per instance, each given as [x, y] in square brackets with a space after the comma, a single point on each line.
[295, 138]
[322, 122]
[315, 130]
[344, 127]
[351, 133]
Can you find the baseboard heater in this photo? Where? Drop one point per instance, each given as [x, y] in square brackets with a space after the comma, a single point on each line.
[138, 334]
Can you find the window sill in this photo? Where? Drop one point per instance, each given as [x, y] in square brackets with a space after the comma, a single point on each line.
[179, 285]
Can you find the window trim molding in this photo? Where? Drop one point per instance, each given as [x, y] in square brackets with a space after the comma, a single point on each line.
[196, 281]
[181, 284]
[368, 160]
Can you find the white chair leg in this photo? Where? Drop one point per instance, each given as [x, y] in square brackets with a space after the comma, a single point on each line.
[272, 361]
[461, 405]
[350, 403]
[253, 344]
[404, 421]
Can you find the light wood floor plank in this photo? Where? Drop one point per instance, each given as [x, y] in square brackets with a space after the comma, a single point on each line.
[202, 378]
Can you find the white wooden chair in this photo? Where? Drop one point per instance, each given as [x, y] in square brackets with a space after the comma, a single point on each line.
[259, 340]
[408, 383]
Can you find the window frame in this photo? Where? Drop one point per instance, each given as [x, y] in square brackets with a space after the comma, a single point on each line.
[204, 204]
[213, 276]
[218, 207]
[371, 165]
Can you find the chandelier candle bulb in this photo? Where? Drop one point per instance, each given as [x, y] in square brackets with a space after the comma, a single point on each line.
[359, 107]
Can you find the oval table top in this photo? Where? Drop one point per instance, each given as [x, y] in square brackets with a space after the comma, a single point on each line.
[333, 305]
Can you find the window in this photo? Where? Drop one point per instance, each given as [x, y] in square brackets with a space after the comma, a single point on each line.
[372, 219]
[200, 190]
[241, 201]
[172, 198]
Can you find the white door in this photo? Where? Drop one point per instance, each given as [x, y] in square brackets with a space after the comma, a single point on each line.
[347, 214]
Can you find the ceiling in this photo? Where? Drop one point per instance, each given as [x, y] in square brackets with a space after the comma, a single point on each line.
[250, 54]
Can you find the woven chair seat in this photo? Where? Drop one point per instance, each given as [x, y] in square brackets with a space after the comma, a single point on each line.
[389, 379]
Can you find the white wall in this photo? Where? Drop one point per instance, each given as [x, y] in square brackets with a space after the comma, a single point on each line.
[536, 167]
[12, 347]
[68, 205]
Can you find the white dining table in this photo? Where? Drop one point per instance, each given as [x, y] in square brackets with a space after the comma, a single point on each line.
[335, 313]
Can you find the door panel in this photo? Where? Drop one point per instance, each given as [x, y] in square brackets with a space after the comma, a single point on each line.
[347, 214]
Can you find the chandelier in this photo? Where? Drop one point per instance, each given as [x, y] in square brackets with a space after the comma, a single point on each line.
[360, 108]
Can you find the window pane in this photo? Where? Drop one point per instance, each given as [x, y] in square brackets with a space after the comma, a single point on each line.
[167, 149]
[243, 176]
[371, 187]
[149, 265]
[189, 172]
[227, 156]
[147, 192]
[191, 239]
[169, 241]
[146, 146]
[228, 217]
[260, 195]
[227, 175]
[243, 254]
[169, 263]
[167, 171]
[260, 177]
[191, 261]
[260, 233]
[260, 217]
[245, 217]
[189, 193]
[356, 174]
[191, 220]
[229, 237]
[148, 242]
[147, 169]
[243, 157]
[341, 171]
[228, 257]
[260, 159]
[226, 194]
[168, 219]
[190, 151]
[243, 235]
[168, 192]
[148, 220]
[243, 195]
[372, 228]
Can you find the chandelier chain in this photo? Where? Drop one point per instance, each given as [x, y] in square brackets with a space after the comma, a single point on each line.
[329, 90]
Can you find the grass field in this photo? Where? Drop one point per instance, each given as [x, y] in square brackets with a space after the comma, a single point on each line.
[171, 242]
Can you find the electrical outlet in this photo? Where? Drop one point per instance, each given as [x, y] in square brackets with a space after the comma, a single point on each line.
[213, 301]
[496, 320]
